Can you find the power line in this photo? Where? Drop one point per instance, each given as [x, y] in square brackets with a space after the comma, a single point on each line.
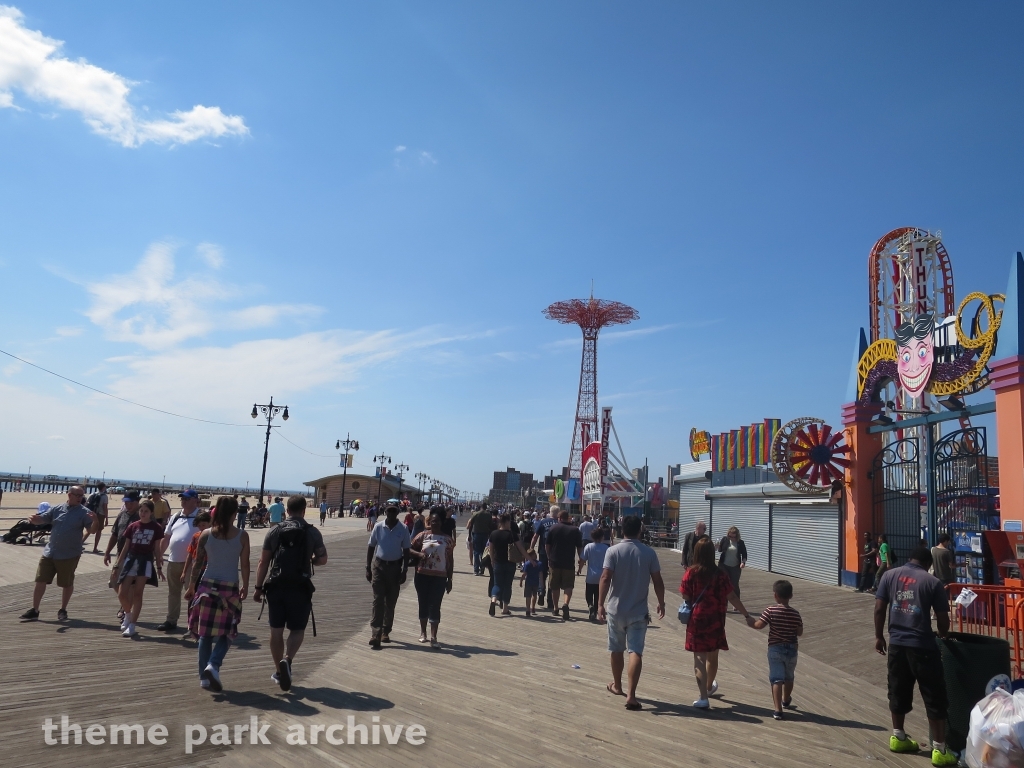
[321, 455]
[124, 400]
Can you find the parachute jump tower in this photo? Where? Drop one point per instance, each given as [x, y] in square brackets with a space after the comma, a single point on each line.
[591, 316]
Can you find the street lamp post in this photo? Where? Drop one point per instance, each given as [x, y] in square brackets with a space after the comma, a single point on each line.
[383, 462]
[270, 411]
[349, 445]
[399, 469]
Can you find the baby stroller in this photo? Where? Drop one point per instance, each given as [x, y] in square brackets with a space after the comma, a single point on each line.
[24, 532]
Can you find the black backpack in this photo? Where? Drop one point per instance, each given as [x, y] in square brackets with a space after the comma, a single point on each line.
[527, 533]
[292, 565]
[93, 502]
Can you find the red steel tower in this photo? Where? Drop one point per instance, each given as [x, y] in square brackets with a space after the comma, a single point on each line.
[591, 316]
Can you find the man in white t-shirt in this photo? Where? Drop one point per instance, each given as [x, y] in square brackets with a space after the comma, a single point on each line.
[177, 537]
[586, 528]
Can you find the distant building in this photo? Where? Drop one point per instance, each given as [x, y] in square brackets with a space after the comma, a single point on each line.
[511, 486]
[549, 479]
[366, 488]
[672, 473]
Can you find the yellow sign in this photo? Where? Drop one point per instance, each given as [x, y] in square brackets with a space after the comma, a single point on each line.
[700, 443]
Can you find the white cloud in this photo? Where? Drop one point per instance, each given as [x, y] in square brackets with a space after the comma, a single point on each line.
[67, 331]
[208, 379]
[610, 335]
[31, 62]
[422, 157]
[264, 315]
[212, 254]
[56, 437]
[152, 307]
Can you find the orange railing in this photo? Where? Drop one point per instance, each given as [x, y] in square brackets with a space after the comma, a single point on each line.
[997, 611]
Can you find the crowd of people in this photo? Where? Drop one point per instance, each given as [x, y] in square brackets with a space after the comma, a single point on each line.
[207, 557]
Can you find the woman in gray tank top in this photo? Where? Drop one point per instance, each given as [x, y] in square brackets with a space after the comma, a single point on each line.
[216, 608]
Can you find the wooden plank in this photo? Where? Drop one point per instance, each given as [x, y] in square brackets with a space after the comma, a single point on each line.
[501, 689]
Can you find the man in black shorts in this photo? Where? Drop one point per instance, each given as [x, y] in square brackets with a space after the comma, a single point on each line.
[908, 596]
[284, 577]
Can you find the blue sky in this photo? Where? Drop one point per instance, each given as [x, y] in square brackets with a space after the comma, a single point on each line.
[372, 203]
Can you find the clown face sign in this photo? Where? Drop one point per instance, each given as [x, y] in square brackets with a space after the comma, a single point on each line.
[915, 350]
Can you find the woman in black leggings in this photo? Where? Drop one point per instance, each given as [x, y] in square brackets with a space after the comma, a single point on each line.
[435, 552]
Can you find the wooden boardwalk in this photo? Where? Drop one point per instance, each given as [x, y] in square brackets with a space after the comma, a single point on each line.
[502, 690]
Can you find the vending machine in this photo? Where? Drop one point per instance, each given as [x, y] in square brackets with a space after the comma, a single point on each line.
[973, 558]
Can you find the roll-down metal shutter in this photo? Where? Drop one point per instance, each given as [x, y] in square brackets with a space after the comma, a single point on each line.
[805, 541]
[750, 515]
[693, 507]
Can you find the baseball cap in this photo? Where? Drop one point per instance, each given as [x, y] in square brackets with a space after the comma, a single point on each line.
[191, 493]
[131, 496]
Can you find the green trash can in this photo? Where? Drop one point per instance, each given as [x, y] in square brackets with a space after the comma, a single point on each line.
[969, 662]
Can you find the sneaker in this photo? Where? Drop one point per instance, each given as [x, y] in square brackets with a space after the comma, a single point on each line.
[714, 687]
[565, 613]
[204, 684]
[284, 674]
[434, 643]
[62, 615]
[702, 704]
[777, 715]
[129, 631]
[375, 643]
[787, 704]
[30, 615]
[944, 758]
[423, 638]
[902, 745]
[212, 675]
[166, 627]
[385, 638]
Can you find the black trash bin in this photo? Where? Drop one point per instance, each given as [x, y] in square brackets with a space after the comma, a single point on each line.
[969, 662]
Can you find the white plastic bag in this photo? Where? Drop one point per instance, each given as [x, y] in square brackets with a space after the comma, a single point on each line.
[996, 738]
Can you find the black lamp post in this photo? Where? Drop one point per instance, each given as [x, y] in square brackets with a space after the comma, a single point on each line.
[399, 469]
[270, 411]
[349, 445]
[383, 461]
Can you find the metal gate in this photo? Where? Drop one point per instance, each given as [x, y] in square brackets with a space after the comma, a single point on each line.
[805, 541]
[896, 475]
[693, 507]
[963, 500]
[750, 515]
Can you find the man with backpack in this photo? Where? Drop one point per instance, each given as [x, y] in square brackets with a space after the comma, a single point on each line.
[284, 577]
[97, 504]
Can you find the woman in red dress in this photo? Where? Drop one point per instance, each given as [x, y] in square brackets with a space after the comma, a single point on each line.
[707, 588]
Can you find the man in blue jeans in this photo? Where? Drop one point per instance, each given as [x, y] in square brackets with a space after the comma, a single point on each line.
[539, 543]
[479, 528]
[909, 595]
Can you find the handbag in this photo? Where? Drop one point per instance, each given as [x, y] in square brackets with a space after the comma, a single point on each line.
[514, 555]
[686, 608]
